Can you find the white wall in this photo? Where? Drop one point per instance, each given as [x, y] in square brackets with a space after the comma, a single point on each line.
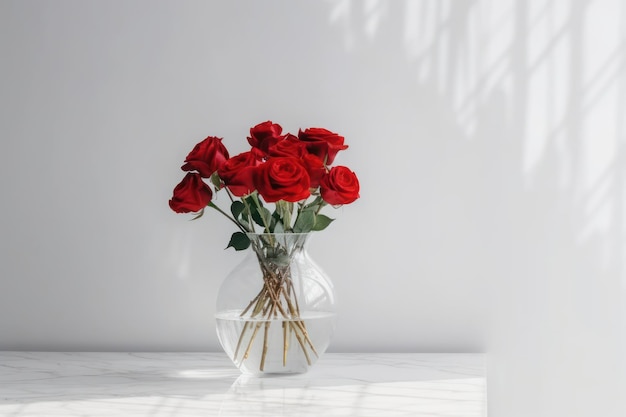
[488, 137]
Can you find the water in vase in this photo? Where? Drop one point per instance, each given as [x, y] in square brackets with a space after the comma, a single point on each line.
[278, 345]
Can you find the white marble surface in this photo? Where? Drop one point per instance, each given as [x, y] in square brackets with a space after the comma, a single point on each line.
[206, 384]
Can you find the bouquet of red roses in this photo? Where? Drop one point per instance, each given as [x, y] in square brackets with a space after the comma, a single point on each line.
[293, 172]
[292, 175]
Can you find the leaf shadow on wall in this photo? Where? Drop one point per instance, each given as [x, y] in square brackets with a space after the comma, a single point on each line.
[516, 185]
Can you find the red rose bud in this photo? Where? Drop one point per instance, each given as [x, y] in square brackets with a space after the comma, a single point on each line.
[339, 186]
[191, 194]
[283, 178]
[238, 173]
[322, 143]
[290, 146]
[265, 135]
[206, 157]
[315, 168]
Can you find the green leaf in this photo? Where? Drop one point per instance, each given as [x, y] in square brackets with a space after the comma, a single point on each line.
[261, 216]
[237, 208]
[304, 222]
[321, 222]
[253, 200]
[239, 241]
[216, 181]
[314, 204]
[279, 228]
[197, 216]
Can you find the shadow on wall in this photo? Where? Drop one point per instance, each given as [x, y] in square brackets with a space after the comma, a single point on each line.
[518, 158]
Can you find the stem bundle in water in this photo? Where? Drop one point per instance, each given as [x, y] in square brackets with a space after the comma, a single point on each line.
[276, 300]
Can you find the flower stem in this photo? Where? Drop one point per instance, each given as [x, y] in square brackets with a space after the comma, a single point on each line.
[239, 225]
[255, 198]
[285, 343]
[267, 326]
[250, 219]
[232, 200]
[277, 300]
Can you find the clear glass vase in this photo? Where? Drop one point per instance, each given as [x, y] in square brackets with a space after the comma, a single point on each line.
[276, 309]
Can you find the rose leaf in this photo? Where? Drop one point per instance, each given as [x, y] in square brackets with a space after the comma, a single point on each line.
[237, 208]
[321, 222]
[239, 241]
[304, 222]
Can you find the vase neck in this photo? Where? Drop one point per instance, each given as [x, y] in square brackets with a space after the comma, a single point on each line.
[279, 241]
[278, 248]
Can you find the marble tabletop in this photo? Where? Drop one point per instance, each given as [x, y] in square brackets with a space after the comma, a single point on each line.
[207, 384]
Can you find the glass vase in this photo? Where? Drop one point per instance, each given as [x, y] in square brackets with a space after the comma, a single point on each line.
[276, 309]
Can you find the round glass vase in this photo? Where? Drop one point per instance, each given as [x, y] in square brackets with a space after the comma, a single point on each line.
[276, 309]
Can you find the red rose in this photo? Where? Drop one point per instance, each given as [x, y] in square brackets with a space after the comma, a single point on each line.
[290, 146]
[238, 173]
[322, 143]
[315, 168]
[282, 178]
[339, 186]
[265, 135]
[206, 157]
[191, 194]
